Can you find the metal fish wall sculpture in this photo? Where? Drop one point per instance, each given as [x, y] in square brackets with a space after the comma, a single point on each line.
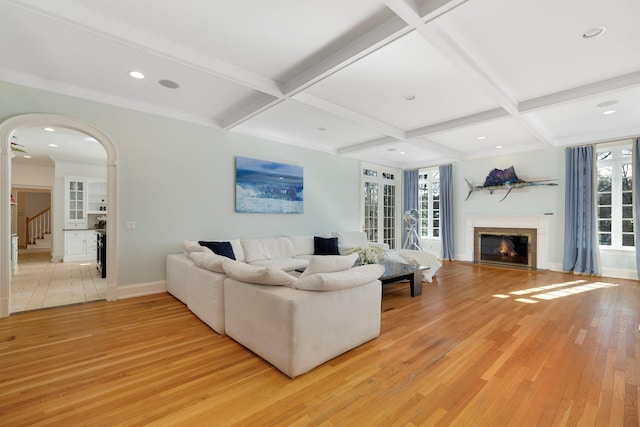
[505, 179]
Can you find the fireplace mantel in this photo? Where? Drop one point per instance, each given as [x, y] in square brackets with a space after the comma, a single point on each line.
[539, 222]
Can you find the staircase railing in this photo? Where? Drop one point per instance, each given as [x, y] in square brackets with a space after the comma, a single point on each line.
[38, 226]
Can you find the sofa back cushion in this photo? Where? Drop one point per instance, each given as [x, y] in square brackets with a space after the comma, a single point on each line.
[329, 264]
[267, 248]
[356, 276]
[259, 275]
[303, 245]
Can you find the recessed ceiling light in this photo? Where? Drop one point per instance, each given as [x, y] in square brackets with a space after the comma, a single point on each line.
[136, 74]
[27, 157]
[594, 32]
[607, 103]
[498, 146]
[608, 112]
[482, 137]
[410, 97]
[169, 84]
[48, 129]
[402, 152]
[53, 145]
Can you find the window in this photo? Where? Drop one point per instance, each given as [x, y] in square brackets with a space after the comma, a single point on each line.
[615, 197]
[380, 205]
[429, 200]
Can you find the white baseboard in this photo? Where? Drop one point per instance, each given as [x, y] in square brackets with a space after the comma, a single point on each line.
[141, 289]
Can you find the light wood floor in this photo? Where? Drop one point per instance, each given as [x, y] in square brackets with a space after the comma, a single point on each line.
[482, 346]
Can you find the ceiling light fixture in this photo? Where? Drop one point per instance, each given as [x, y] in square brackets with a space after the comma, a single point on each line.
[402, 152]
[410, 97]
[136, 74]
[498, 146]
[608, 112]
[594, 32]
[27, 157]
[482, 137]
[169, 84]
[48, 129]
[53, 145]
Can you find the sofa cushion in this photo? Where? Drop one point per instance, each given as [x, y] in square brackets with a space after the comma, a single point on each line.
[351, 278]
[258, 275]
[220, 248]
[208, 261]
[284, 264]
[303, 245]
[267, 248]
[189, 246]
[329, 263]
[325, 245]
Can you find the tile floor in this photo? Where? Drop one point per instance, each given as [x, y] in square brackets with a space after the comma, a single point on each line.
[41, 283]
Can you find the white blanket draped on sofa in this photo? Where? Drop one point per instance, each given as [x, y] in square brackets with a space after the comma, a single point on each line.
[408, 256]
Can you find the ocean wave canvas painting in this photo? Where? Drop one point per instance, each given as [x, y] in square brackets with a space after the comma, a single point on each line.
[268, 187]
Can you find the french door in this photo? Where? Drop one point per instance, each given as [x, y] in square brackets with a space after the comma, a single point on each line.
[380, 204]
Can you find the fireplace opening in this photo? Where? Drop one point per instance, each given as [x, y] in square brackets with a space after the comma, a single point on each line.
[508, 247]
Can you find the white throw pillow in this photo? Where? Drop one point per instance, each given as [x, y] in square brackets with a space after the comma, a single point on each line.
[209, 260]
[259, 275]
[351, 278]
[329, 264]
[189, 246]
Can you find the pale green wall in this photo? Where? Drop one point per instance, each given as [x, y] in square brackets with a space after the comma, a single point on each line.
[176, 181]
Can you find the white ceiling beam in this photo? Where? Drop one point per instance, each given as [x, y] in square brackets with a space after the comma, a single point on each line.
[366, 145]
[251, 109]
[369, 42]
[343, 113]
[598, 88]
[432, 9]
[459, 122]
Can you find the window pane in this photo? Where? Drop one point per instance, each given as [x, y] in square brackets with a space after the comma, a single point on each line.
[627, 212]
[604, 184]
[604, 212]
[604, 226]
[627, 240]
[436, 233]
[625, 153]
[626, 184]
[605, 239]
[627, 226]
[604, 155]
[604, 199]
[627, 198]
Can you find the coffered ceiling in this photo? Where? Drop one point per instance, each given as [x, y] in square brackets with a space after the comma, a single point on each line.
[404, 83]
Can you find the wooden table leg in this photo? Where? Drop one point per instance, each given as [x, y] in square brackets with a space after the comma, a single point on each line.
[415, 282]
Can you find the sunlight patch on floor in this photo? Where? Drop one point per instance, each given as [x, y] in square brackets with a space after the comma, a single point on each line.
[557, 290]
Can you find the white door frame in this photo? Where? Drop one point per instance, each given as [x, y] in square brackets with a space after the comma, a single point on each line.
[397, 182]
[7, 128]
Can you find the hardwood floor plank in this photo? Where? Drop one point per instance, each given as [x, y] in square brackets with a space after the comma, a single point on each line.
[481, 346]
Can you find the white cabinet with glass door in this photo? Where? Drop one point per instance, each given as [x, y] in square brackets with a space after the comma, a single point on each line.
[75, 210]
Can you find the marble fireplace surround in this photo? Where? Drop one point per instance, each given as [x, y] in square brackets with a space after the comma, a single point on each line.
[538, 222]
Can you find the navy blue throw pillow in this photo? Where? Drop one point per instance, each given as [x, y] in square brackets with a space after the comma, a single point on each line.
[219, 248]
[325, 246]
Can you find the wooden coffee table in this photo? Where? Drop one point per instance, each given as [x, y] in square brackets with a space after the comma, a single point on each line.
[396, 272]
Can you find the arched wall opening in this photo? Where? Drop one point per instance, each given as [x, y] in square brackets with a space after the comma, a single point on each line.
[7, 128]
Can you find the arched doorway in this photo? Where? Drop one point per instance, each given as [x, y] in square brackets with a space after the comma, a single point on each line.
[6, 130]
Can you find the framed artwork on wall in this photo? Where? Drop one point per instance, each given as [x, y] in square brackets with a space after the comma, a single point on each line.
[268, 187]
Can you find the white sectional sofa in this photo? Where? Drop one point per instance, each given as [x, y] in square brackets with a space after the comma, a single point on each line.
[295, 324]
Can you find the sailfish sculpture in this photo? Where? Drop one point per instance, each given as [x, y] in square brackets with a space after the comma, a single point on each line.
[505, 179]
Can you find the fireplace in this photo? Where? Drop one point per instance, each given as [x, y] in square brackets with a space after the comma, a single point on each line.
[513, 247]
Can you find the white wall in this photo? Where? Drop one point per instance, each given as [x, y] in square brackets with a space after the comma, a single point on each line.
[176, 181]
[542, 164]
[31, 176]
